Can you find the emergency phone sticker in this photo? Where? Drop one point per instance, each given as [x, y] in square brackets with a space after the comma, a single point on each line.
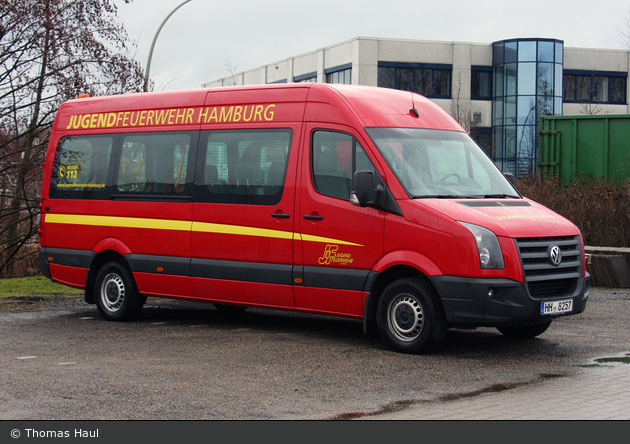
[68, 171]
[73, 176]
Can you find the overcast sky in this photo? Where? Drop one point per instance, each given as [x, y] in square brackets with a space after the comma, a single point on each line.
[203, 36]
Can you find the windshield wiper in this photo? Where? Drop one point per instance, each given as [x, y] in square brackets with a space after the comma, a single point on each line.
[438, 196]
[500, 196]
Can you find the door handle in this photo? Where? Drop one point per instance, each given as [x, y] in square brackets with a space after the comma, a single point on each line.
[281, 215]
[311, 217]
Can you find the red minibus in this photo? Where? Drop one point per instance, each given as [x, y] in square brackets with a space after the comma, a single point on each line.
[353, 201]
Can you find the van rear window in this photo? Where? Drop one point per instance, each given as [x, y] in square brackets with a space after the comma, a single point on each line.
[81, 167]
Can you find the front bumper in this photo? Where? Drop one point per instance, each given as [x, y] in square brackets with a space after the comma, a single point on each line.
[470, 302]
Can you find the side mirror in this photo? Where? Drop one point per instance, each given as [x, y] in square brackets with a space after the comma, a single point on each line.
[510, 177]
[363, 189]
[368, 190]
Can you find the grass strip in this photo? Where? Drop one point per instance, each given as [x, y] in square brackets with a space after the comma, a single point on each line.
[34, 286]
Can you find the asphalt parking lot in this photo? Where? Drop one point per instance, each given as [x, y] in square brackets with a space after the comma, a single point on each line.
[59, 360]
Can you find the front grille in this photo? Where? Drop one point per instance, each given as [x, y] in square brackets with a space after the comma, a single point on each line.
[544, 279]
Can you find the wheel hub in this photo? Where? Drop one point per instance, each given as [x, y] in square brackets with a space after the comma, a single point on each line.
[406, 317]
[113, 292]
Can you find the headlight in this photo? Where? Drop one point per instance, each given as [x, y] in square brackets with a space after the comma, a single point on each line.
[490, 255]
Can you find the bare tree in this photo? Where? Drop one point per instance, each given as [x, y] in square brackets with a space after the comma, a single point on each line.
[460, 103]
[50, 51]
[591, 109]
[232, 70]
[625, 32]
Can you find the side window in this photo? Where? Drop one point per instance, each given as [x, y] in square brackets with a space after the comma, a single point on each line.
[81, 167]
[335, 157]
[246, 166]
[153, 163]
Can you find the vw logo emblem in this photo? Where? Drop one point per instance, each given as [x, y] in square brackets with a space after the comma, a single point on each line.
[555, 255]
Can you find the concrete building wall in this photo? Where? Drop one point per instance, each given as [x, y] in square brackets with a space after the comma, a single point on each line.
[596, 59]
[365, 63]
[577, 109]
[364, 53]
[414, 51]
[305, 64]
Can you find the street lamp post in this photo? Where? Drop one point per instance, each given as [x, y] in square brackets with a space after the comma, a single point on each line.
[146, 73]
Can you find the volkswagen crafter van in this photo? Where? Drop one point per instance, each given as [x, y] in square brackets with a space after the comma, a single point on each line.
[352, 201]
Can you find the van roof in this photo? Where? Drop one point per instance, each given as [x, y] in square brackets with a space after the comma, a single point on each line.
[365, 106]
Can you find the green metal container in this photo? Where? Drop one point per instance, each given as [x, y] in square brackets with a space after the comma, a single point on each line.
[572, 145]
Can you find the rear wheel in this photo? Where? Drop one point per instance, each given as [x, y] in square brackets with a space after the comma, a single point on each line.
[117, 297]
[409, 316]
[525, 331]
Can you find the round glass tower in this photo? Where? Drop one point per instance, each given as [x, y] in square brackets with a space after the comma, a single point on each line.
[527, 79]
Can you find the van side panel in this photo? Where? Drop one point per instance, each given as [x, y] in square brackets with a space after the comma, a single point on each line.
[67, 275]
[117, 216]
[243, 214]
[339, 242]
[162, 234]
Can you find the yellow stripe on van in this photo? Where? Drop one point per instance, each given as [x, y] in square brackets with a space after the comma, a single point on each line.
[325, 240]
[201, 227]
[207, 227]
[114, 221]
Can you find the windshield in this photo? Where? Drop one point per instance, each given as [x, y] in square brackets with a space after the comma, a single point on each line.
[442, 164]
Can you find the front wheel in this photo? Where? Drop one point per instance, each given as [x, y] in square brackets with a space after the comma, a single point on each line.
[117, 297]
[409, 316]
[525, 331]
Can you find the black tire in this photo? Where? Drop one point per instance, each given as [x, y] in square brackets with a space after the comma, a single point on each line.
[409, 316]
[116, 294]
[525, 331]
[230, 309]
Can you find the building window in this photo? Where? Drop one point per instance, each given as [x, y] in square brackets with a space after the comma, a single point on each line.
[430, 80]
[594, 87]
[339, 74]
[481, 83]
[310, 77]
[483, 137]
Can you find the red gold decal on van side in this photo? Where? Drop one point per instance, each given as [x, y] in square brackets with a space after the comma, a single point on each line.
[332, 255]
[174, 116]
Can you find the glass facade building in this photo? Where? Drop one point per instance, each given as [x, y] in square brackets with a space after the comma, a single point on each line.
[497, 91]
[527, 84]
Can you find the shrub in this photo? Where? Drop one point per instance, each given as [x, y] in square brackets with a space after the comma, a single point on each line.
[599, 207]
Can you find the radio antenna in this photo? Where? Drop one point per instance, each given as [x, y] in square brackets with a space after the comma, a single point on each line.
[413, 111]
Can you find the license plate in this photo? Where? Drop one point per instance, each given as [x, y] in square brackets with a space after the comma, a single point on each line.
[556, 307]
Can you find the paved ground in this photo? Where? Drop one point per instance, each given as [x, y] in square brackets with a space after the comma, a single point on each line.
[601, 392]
[60, 361]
